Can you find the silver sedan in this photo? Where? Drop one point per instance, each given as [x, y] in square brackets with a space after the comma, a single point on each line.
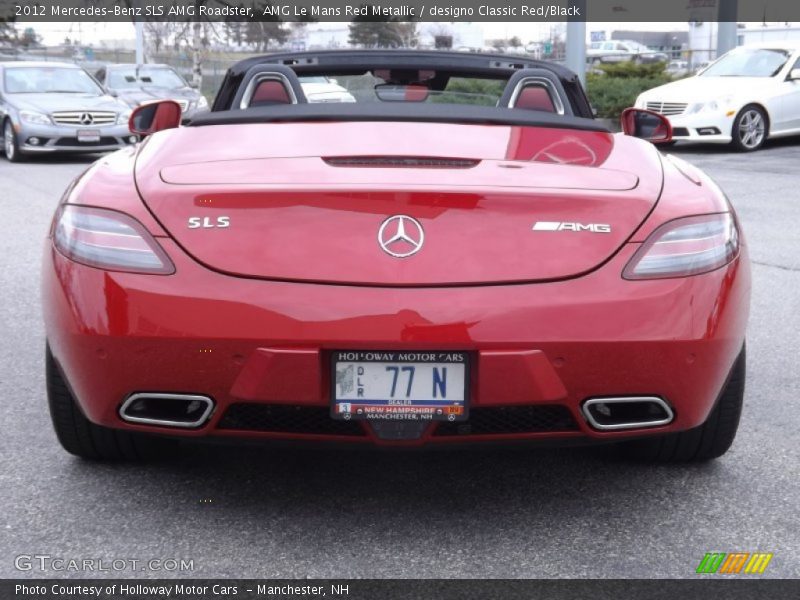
[58, 107]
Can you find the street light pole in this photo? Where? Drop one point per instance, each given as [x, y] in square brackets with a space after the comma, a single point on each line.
[727, 26]
[576, 41]
[139, 25]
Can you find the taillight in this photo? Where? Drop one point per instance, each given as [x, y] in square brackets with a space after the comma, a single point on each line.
[686, 246]
[107, 239]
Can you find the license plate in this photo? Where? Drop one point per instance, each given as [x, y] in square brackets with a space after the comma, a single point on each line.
[400, 386]
[88, 135]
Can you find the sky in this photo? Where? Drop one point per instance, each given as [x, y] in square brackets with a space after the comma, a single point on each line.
[93, 33]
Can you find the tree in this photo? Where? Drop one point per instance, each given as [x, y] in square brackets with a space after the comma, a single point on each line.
[235, 32]
[158, 33]
[374, 31]
[268, 28]
[8, 33]
[408, 33]
[515, 42]
[443, 42]
[29, 38]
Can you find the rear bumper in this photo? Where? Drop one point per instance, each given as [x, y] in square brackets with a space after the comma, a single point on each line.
[262, 349]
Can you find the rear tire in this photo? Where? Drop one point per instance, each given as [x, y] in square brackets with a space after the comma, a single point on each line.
[710, 440]
[81, 437]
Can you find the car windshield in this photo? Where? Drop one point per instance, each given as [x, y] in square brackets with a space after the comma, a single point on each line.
[49, 80]
[370, 87]
[120, 79]
[761, 62]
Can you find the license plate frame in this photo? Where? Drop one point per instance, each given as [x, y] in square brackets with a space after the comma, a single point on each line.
[426, 410]
[88, 136]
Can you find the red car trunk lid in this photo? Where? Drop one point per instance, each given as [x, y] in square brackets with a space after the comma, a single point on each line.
[306, 202]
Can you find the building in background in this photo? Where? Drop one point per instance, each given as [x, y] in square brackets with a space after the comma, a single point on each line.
[703, 38]
[321, 36]
[672, 43]
[770, 33]
[702, 44]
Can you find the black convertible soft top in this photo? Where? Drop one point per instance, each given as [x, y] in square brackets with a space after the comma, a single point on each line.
[438, 113]
[342, 62]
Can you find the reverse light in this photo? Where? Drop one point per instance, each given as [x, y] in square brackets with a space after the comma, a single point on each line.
[108, 239]
[686, 246]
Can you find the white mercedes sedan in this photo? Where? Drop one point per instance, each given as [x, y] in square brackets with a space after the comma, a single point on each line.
[746, 96]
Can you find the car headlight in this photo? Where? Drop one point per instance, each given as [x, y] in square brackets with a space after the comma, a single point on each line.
[34, 118]
[202, 103]
[710, 106]
[124, 117]
[703, 107]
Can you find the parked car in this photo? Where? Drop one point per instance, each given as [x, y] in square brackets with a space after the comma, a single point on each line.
[622, 51]
[419, 270]
[324, 89]
[677, 68]
[135, 84]
[750, 94]
[50, 107]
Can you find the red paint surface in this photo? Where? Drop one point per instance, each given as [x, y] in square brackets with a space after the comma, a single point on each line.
[259, 340]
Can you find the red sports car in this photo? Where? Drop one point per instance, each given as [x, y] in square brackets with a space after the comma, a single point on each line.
[462, 254]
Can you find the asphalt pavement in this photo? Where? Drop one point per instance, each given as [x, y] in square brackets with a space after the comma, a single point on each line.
[482, 512]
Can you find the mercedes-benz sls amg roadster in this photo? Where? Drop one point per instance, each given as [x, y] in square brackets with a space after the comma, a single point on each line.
[463, 254]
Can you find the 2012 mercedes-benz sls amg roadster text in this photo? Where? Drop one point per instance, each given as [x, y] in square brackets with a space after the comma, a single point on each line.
[462, 254]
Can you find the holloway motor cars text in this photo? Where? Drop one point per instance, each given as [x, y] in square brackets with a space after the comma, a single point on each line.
[35, 10]
[177, 590]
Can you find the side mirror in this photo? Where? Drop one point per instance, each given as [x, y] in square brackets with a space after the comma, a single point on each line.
[155, 116]
[794, 75]
[647, 125]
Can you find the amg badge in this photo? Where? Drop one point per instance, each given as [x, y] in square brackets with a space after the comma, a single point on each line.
[559, 226]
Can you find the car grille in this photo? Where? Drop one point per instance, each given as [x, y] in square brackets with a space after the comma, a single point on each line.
[510, 419]
[84, 118]
[72, 142]
[667, 108]
[184, 104]
[278, 418]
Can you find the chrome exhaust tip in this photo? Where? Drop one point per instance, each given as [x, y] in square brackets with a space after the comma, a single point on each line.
[167, 409]
[632, 412]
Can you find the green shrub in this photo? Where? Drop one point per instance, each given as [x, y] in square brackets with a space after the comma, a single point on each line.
[630, 70]
[460, 90]
[617, 89]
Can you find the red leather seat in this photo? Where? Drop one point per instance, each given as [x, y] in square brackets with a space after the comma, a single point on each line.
[535, 97]
[270, 92]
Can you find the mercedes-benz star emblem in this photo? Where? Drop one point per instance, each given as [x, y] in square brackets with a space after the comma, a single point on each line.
[87, 119]
[401, 236]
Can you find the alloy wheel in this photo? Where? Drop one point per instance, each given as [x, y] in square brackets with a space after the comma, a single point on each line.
[8, 140]
[752, 129]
